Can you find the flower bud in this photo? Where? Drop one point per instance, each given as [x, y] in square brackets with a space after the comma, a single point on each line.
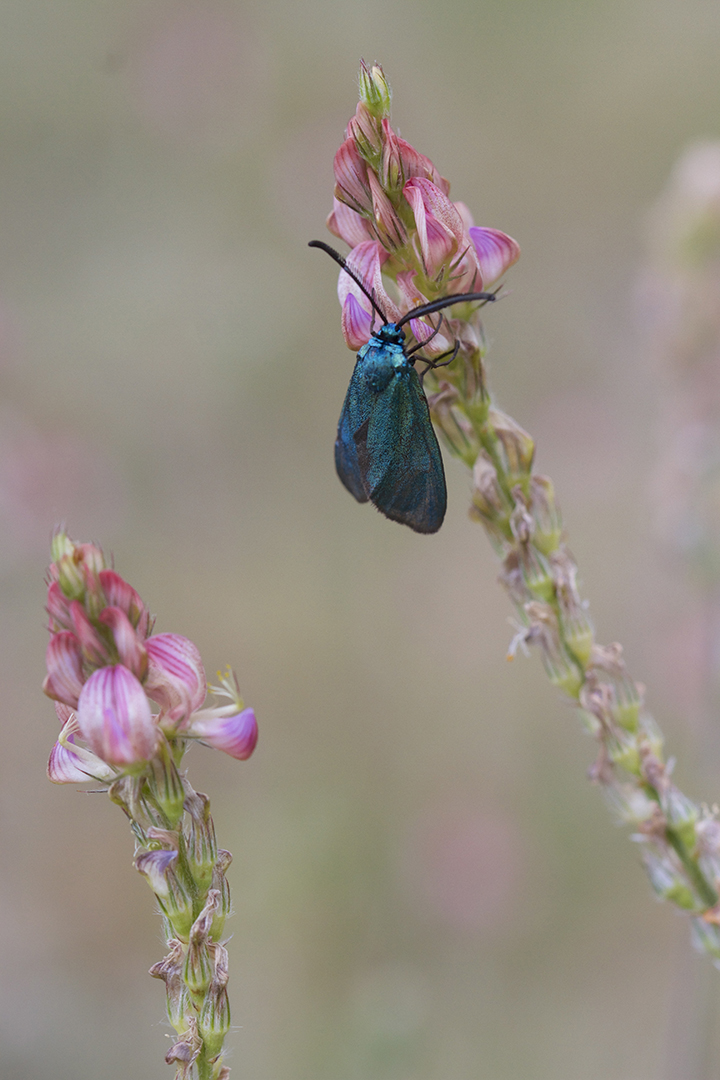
[626, 694]
[60, 546]
[221, 972]
[667, 881]
[392, 174]
[629, 803]
[518, 447]
[166, 784]
[201, 846]
[159, 868]
[351, 179]
[365, 130]
[456, 429]
[119, 594]
[623, 751]
[390, 229]
[214, 1020]
[546, 514]
[681, 814]
[374, 90]
[652, 737]
[561, 669]
[130, 649]
[169, 969]
[175, 678]
[536, 573]
[58, 608]
[94, 649]
[115, 720]
[221, 887]
[577, 628]
[186, 1050]
[64, 680]
[198, 967]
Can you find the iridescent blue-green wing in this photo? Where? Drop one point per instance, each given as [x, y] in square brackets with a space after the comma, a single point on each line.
[399, 458]
[354, 414]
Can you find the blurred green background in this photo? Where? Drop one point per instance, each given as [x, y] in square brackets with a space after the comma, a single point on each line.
[426, 886]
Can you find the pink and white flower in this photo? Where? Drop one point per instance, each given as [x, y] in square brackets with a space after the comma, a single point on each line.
[358, 317]
[495, 250]
[175, 678]
[236, 735]
[114, 718]
[71, 763]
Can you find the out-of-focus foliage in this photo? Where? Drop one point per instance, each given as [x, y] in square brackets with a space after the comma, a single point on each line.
[426, 886]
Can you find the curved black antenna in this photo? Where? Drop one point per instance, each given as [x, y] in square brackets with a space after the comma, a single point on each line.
[341, 262]
[445, 301]
[432, 364]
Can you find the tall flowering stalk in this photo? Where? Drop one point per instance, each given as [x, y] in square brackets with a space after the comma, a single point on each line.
[129, 702]
[411, 244]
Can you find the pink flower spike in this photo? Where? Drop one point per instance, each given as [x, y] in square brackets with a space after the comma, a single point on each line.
[64, 680]
[93, 647]
[114, 718]
[119, 594]
[356, 323]
[235, 735]
[175, 676]
[131, 650]
[351, 178]
[348, 226]
[495, 251]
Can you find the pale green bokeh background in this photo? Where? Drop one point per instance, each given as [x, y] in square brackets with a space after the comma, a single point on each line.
[426, 886]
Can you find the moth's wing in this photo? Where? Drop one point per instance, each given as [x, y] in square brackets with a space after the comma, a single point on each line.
[399, 457]
[354, 415]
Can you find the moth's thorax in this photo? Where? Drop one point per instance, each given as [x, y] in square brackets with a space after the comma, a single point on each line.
[382, 358]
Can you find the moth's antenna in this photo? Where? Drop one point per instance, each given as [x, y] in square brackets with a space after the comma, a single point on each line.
[341, 262]
[443, 302]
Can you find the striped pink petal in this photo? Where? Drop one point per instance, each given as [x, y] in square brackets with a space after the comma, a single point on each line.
[495, 252]
[130, 648]
[114, 717]
[64, 680]
[175, 675]
[93, 647]
[356, 323]
[119, 594]
[349, 226]
[235, 735]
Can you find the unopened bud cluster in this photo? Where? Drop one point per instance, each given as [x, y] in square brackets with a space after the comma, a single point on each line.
[129, 701]
[393, 209]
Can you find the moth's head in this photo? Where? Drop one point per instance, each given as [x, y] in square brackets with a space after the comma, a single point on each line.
[390, 334]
